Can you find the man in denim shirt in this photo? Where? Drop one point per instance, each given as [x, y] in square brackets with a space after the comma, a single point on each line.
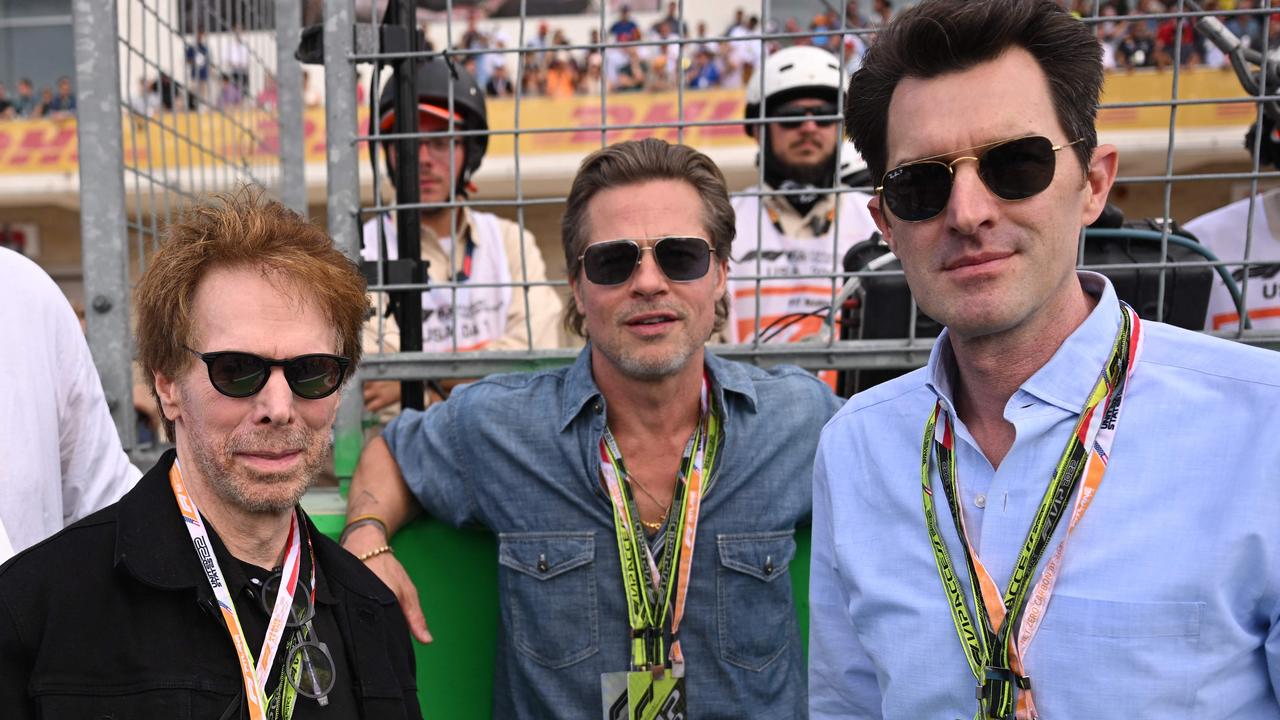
[647, 233]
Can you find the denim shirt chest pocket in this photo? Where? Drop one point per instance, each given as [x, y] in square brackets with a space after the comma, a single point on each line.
[548, 585]
[753, 596]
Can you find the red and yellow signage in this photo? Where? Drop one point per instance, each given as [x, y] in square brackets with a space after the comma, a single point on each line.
[246, 137]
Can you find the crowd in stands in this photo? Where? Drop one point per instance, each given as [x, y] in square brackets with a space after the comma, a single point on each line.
[632, 58]
[25, 103]
[1151, 42]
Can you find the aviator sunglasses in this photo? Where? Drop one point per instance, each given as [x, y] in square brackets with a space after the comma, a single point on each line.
[241, 374]
[682, 259]
[1011, 169]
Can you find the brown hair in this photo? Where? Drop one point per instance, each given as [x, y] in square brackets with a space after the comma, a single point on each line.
[942, 36]
[241, 229]
[633, 162]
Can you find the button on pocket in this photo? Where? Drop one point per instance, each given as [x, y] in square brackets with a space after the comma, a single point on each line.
[753, 592]
[548, 586]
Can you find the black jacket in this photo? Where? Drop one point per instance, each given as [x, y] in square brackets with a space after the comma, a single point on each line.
[113, 618]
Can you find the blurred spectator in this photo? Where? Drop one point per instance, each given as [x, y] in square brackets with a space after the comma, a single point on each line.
[499, 84]
[672, 18]
[64, 103]
[562, 76]
[1246, 27]
[592, 52]
[1167, 43]
[739, 23]
[7, 109]
[728, 62]
[1110, 33]
[236, 60]
[542, 40]
[197, 58]
[592, 80]
[146, 101]
[632, 72]
[24, 104]
[747, 52]
[703, 42]
[531, 80]
[624, 28]
[472, 38]
[1137, 48]
[792, 27]
[660, 72]
[703, 72]
[881, 12]
[230, 95]
[44, 107]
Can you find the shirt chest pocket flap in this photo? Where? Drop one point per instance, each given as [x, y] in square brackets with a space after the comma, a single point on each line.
[753, 595]
[548, 587]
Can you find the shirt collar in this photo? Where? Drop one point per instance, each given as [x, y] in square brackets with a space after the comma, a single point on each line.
[153, 544]
[1069, 376]
[727, 378]
[464, 223]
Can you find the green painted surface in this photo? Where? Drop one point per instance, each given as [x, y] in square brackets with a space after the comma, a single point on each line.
[456, 573]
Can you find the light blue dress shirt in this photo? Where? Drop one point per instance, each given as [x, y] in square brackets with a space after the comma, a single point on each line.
[1168, 601]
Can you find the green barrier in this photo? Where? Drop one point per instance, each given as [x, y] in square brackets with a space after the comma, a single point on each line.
[456, 573]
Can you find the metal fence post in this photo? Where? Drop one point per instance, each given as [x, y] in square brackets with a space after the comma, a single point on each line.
[293, 191]
[102, 213]
[343, 195]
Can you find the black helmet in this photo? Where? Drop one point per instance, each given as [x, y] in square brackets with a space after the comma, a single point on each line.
[433, 78]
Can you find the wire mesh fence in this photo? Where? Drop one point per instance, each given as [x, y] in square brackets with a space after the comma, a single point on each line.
[177, 99]
[1172, 104]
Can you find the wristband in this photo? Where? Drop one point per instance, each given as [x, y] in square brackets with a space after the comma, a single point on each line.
[363, 520]
[374, 553]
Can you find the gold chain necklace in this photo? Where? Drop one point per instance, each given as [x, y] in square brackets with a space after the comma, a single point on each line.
[655, 525]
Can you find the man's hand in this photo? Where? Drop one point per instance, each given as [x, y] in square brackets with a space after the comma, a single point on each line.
[381, 394]
[367, 538]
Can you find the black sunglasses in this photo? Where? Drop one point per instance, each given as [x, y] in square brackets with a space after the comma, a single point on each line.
[1011, 169]
[682, 259]
[241, 374]
[792, 117]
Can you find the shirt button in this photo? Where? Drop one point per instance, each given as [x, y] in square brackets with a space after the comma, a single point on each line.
[596, 408]
[980, 501]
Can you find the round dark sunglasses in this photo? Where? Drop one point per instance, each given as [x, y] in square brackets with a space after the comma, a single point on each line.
[241, 374]
[1011, 169]
[682, 259]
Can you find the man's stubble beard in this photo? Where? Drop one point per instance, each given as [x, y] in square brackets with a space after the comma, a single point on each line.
[236, 485]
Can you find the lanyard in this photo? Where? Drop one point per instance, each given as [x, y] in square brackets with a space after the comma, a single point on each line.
[993, 654]
[648, 584]
[255, 679]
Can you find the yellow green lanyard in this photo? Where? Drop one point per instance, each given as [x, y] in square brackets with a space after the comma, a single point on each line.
[989, 646]
[649, 584]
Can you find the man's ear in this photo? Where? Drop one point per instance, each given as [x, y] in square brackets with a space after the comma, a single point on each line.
[1103, 167]
[170, 400]
[882, 222]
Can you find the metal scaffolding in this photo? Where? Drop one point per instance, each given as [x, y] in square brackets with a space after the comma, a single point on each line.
[175, 100]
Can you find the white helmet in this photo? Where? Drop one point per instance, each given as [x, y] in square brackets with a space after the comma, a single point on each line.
[851, 164]
[797, 71]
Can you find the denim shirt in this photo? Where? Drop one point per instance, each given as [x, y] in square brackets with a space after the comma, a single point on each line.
[519, 454]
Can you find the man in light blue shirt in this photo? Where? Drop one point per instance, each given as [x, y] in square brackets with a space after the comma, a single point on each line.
[1149, 586]
[532, 457]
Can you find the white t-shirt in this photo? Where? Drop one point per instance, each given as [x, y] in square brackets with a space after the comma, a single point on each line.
[62, 457]
[1223, 231]
[790, 304]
